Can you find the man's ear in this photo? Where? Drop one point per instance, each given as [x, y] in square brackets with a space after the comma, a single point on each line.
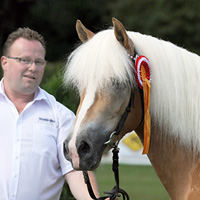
[4, 63]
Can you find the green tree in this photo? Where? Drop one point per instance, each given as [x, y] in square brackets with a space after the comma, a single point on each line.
[53, 83]
[173, 20]
[56, 20]
[13, 14]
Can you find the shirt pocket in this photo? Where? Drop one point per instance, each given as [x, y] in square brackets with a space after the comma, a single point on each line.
[45, 140]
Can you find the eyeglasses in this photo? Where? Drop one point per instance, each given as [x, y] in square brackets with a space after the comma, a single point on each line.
[27, 61]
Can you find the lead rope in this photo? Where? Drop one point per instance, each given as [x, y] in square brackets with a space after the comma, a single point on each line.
[116, 191]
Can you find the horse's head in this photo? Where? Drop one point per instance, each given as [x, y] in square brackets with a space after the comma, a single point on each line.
[105, 93]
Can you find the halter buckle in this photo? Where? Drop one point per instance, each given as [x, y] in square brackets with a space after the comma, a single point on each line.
[110, 139]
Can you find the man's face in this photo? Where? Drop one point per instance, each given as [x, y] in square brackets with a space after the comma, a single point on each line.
[20, 78]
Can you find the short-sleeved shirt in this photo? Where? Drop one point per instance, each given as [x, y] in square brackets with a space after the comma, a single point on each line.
[32, 164]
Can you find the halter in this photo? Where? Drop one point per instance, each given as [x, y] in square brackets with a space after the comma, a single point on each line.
[117, 191]
[119, 127]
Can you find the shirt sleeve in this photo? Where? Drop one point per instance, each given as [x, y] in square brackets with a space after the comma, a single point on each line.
[66, 121]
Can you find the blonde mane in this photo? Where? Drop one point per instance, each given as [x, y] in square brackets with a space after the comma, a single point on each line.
[97, 62]
[175, 97]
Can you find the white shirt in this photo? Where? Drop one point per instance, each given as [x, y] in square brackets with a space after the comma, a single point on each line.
[32, 163]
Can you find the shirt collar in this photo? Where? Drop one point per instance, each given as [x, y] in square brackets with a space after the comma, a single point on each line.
[39, 93]
[2, 91]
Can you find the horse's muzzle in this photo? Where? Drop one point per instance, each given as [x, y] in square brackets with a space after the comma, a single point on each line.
[66, 151]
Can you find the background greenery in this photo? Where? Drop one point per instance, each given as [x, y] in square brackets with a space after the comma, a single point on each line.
[53, 83]
[174, 20]
[140, 182]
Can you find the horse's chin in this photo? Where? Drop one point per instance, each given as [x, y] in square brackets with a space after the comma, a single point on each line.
[89, 166]
[88, 163]
[85, 166]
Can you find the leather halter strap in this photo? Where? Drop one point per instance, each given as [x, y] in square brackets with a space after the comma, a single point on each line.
[116, 191]
[119, 127]
[122, 120]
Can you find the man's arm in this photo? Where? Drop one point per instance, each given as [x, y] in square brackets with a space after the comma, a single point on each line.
[77, 184]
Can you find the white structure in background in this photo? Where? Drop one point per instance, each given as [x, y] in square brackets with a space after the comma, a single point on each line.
[130, 151]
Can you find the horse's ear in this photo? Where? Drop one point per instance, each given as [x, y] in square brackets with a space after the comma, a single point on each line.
[121, 35]
[83, 33]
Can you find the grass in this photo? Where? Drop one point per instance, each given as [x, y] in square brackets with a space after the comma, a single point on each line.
[140, 182]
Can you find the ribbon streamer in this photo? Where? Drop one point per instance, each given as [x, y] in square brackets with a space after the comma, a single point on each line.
[143, 77]
[147, 117]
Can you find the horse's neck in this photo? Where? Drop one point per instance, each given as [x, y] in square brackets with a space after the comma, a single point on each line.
[178, 170]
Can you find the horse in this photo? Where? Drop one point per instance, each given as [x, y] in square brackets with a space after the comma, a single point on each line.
[102, 71]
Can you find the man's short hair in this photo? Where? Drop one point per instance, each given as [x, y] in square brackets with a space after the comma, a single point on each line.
[25, 33]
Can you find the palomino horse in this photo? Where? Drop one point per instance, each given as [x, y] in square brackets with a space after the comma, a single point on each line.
[104, 75]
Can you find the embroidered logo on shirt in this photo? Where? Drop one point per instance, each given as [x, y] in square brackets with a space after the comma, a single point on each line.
[47, 120]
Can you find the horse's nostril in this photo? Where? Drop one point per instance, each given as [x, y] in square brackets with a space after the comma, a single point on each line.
[83, 149]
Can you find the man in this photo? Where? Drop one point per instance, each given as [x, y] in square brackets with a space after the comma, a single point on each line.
[33, 127]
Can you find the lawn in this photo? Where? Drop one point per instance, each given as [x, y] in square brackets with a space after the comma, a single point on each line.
[140, 182]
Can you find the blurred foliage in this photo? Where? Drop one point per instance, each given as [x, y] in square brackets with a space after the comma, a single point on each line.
[53, 83]
[174, 20]
[55, 20]
[66, 193]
